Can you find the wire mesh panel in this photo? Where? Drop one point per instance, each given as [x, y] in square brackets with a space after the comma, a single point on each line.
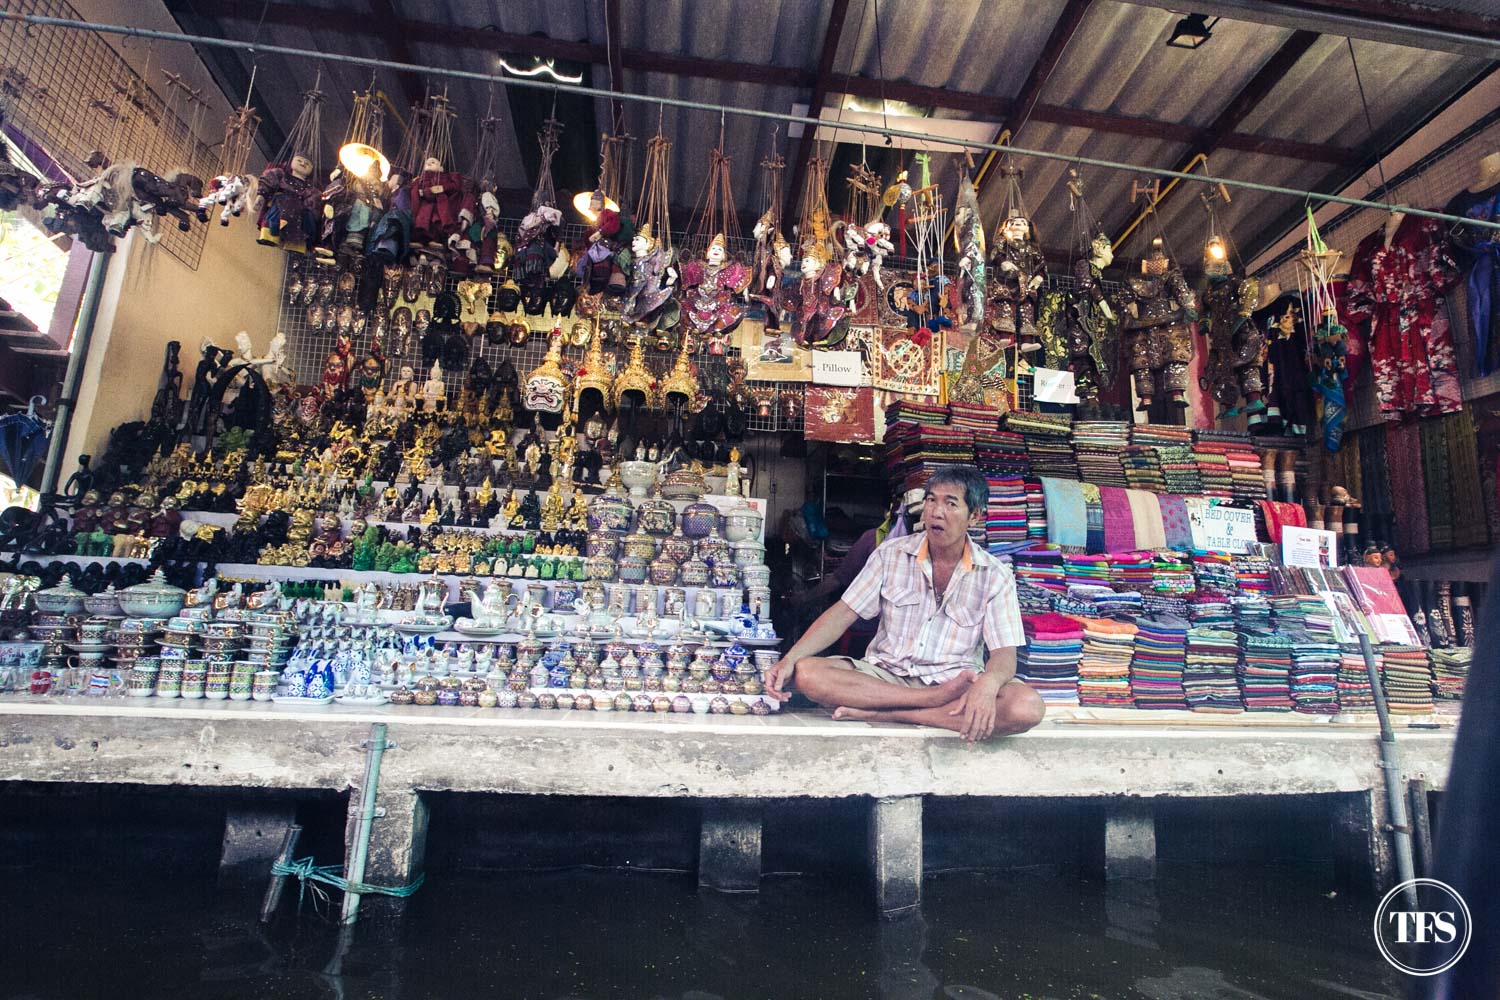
[70, 93]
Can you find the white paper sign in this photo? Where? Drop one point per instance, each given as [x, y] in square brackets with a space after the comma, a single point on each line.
[1052, 386]
[1222, 529]
[1309, 547]
[837, 368]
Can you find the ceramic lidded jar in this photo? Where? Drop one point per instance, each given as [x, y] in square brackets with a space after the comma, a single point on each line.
[713, 549]
[156, 598]
[694, 573]
[639, 544]
[610, 511]
[656, 516]
[677, 547]
[757, 575]
[66, 599]
[604, 543]
[742, 523]
[749, 553]
[725, 574]
[601, 568]
[663, 571]
[105, 604]
[699, 519]
[632, 569]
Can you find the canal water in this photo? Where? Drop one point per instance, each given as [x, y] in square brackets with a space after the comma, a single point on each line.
[1197, 933]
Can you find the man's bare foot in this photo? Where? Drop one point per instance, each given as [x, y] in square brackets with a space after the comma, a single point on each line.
[942, 694]
[843, 714]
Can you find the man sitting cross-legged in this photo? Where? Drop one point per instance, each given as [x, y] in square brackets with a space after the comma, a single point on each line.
[940, 599]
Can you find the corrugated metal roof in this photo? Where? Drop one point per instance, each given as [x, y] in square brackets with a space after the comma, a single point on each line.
[1117, 63]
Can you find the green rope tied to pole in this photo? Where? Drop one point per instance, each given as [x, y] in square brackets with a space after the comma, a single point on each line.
[305, 871]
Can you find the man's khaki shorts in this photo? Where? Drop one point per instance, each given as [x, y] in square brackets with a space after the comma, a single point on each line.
[880, 673]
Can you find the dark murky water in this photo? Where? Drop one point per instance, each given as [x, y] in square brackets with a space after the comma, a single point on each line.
[1197, 934]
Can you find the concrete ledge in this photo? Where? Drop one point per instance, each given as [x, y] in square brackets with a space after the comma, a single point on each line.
[261, 745]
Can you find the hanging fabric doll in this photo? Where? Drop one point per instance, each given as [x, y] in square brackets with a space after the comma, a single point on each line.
[1017, 271]
[604, 265]
[711, 288]
[818, 317]
[1090, 337]
[653, 281]
[1236, 347]
[968, 236]
[1397, 282]
[287, 200]
[442, 204]
[773, 274]
[389, 238]
[1289, 386]
[1161, 309]
[537, 247]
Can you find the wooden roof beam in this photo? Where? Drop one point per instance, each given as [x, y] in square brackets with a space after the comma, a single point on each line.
[820, 88]
[1236, 111]
[984, 105]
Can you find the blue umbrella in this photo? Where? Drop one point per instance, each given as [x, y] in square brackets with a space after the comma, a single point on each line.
[23, 442]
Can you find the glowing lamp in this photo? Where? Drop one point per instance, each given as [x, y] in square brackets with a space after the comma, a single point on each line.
[590, 203]
[359, 157]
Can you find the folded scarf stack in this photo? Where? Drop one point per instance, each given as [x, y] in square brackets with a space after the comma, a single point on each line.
[1210, 682]
[1355, 693]
[1048, 663]
[1005, 517]
[1156, 670]
[1041, 568]
[1104, 669]
[1143, 468]
[1315, 669]
[1452, 669]
[1098, 445]
[1407, 679]
[1265, 671]
[1001, 453]
[1048, 442]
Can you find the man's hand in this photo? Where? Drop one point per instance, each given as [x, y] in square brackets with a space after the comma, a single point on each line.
[977, 706]
[778, 679]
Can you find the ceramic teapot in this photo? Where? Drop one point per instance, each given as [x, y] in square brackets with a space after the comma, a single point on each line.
[489, 607]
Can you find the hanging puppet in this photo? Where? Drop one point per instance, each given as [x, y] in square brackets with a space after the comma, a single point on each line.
[1160, 310]
[1017, 271]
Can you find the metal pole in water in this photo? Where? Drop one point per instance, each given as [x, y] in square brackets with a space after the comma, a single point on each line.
[375, 749]
[272, 898]
[1390, 763]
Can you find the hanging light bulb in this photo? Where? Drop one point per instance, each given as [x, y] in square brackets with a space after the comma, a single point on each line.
[359, 157]
[1215, 248]
[590, 203]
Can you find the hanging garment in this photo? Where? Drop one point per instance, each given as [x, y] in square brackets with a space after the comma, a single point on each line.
[1478, 254]
[1398, 290]
[1403, 449]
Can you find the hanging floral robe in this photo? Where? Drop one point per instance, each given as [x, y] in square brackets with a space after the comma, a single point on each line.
[1398, 290]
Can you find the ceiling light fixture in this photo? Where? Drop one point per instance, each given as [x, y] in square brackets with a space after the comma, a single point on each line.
[1191, 32]
[590, 203]
[548, 67]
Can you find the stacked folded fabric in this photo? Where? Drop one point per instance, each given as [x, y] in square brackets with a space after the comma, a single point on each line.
[1213, 468]
[1048, 663]
[1121, 605]
[1132, 571]
[912, 411]
[1082, 568]
[1212, 611]
[1265, 670]
[1315, 670]
[1098, 445]
[912, 460]
[1034, 600]
[1241, 461]
[1251, 611]
[1210, 676]
[1005, 518]
[1104, 669]
[1180, 469]
[1036, 510]
[1143, 468]
[975, 416]
[1048, 442]
[1156, 670]
[1041, 568]
[1172, 573]
[1408, 680]
[1452, 668]
[1167, 604]
[1214, 572]
[1355, 693]
[1160, 435]
[1001, 453]
[1252, 574]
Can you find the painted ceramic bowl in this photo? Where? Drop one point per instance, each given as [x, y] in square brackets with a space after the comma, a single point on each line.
[719, 705]
[584, 702]
[656, 516]
[749, 553]
[601, 568]
[610, 511]
[677, 547]
[63, 599]
[694, 573]
[105, 604]
[604, 543]
[632, 569]
[756, 575]
[640, 544]
[742, 523]
[725, 574]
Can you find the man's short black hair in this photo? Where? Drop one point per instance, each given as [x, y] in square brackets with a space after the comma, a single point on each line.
[969, 479]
